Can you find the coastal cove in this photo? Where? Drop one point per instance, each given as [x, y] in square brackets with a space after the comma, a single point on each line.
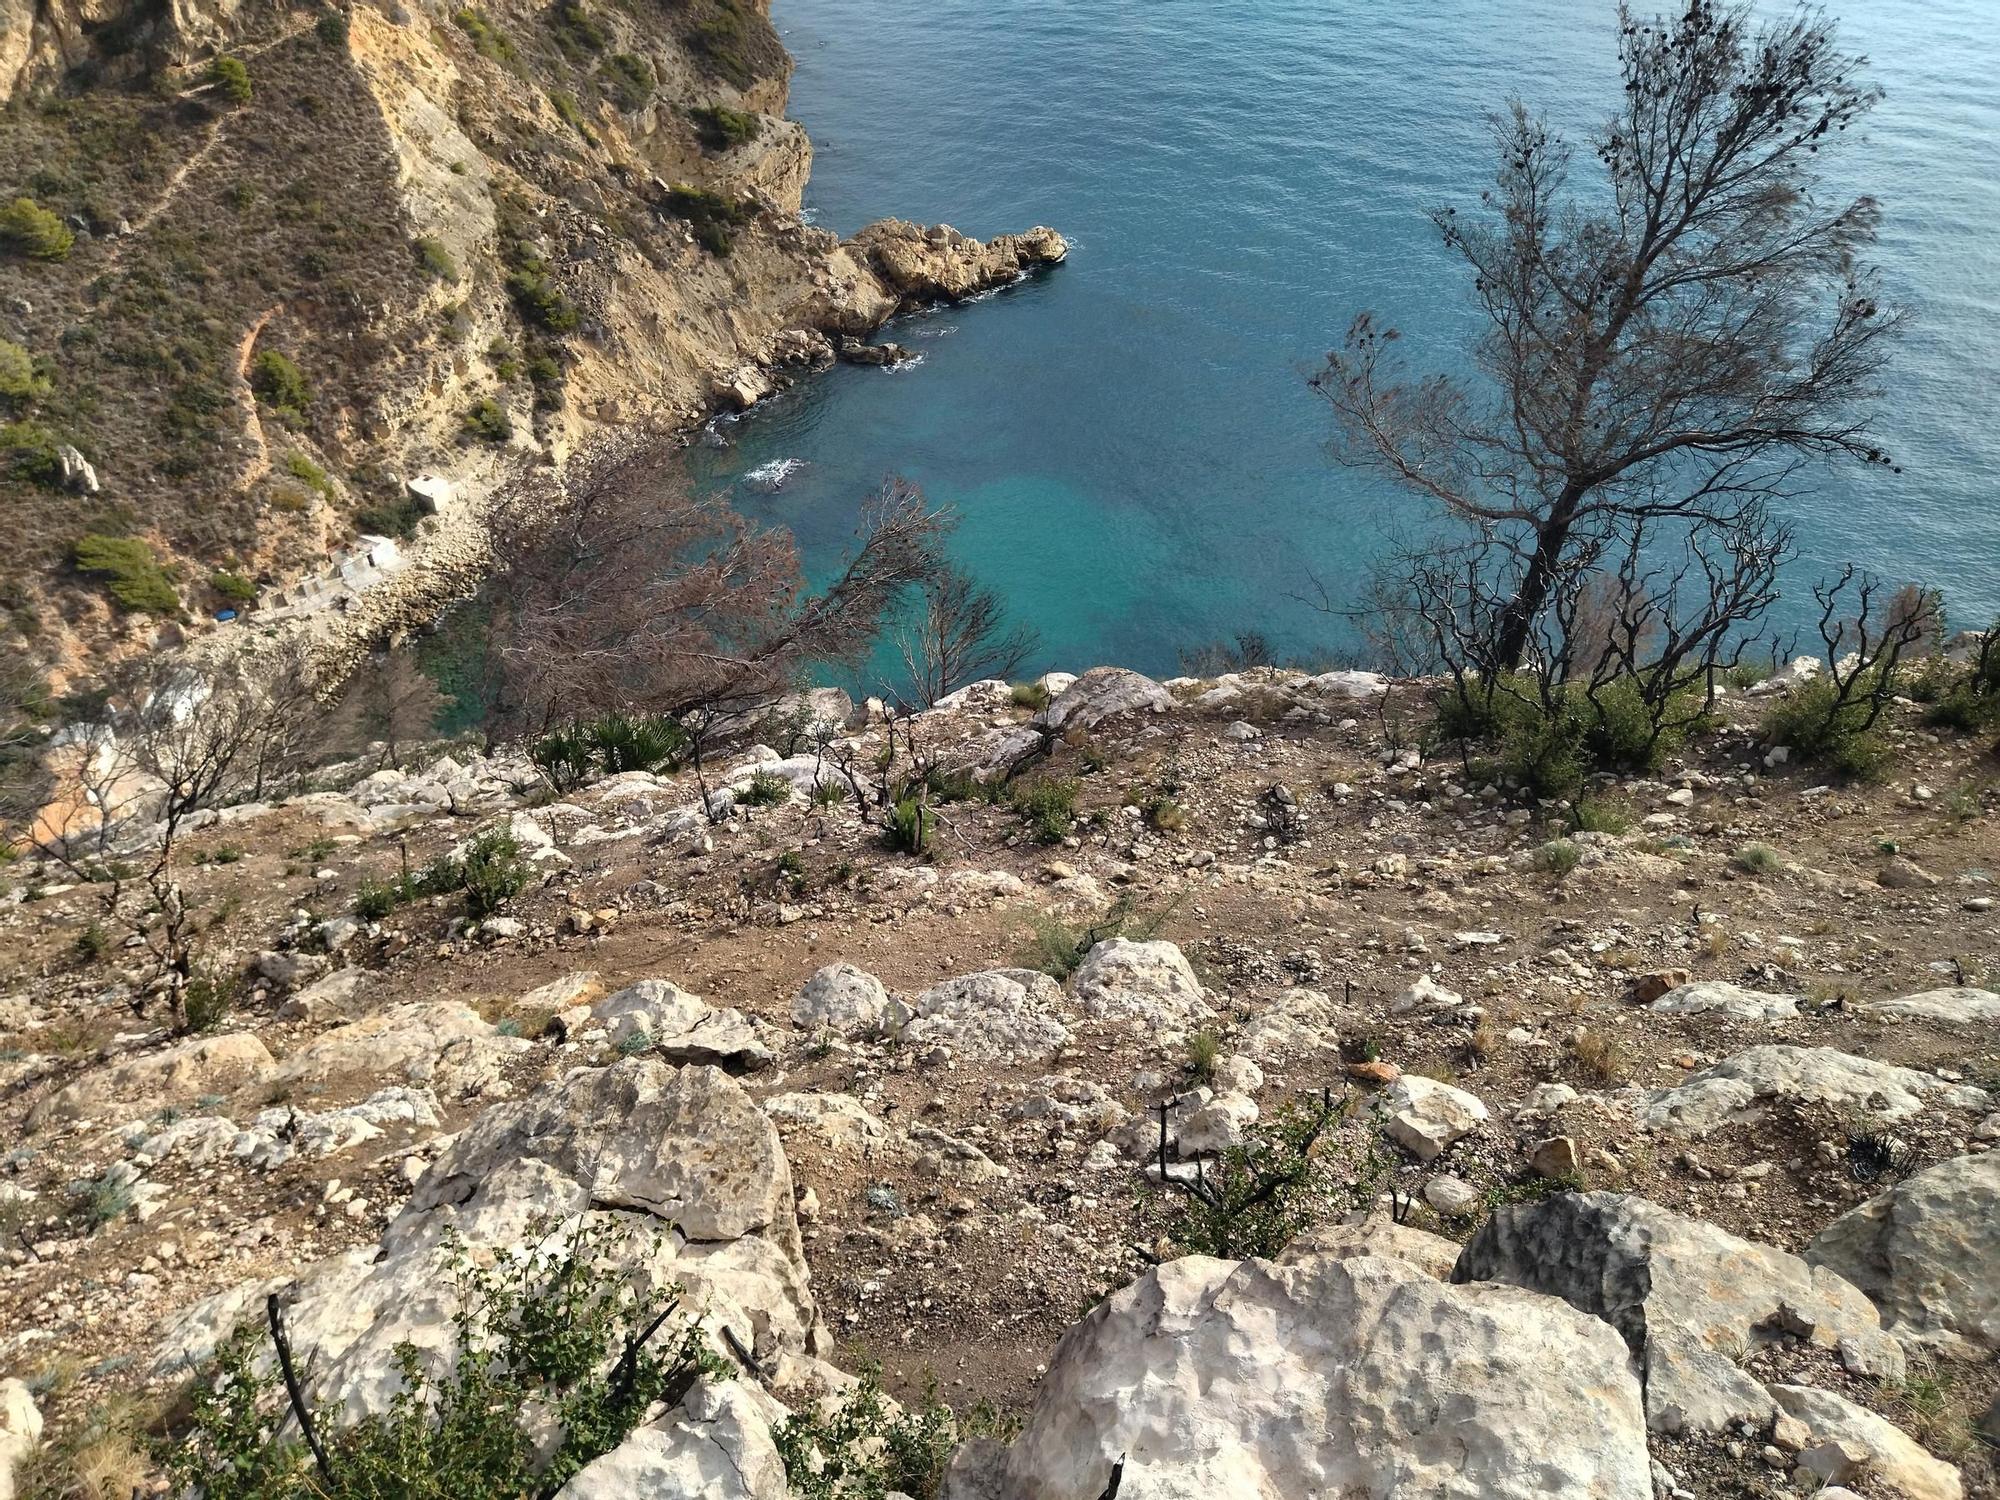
[1130, 442]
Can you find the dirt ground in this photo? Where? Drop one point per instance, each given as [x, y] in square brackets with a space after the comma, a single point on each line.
[1768, 877]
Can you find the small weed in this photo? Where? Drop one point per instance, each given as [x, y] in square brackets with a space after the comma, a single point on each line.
[1558, 858]
[1758, 859]
[1048, 806]
[1598, 1055]
[1032, 696]
[1591, 816]
[765, 789]
[1204, 1051]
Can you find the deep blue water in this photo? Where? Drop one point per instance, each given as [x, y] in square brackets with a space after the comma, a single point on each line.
[1129, 440]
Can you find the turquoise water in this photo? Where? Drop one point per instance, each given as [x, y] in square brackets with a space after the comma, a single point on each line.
[1129, 439]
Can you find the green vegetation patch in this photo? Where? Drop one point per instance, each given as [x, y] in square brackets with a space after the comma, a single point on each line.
[232, 78]
[131, 571]
[629, 77]
[280, 385]
[488, 40]
[723, 129]
[28, 229]
[713, 217]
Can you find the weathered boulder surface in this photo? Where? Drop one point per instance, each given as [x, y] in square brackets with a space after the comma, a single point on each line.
[682, 1027]
[1000, 1015]
[1928, 1253]
[847, 1001]
[1850, 1444]
[179, 1074]
[1730, 1000]
[716, 1444]
[677, 1164]
[1426, 1117]
[403, 1041]
[1358, 1377]
[928, 264]
[1432, 1254]
[20, 1430]
[1121, 980]
[1687, 1297]
[1855, 1088]
[1960, 1006]
[1103, 693]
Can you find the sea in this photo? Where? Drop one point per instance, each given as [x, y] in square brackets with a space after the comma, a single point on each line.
[1136, 461]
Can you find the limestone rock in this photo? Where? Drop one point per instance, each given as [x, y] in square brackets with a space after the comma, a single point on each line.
[1736, 1003]
[1377, 1234]
[173, 1075]
[1927, 1252]
[837, 1119]
[1856, 1088]
[1426, 1117]
[682, 1156]
[1961, 1006]
[1000, 1015]
[717, 1444]
[1425, 993]
[847, 1001]
[683, 1027]
[1683, 1293]
[1890, 1461]
[1358, 1377]
[404, 1041]
[1103, 693]
[20, 1431]
[1900, 874]
[938, 263]
[1148, 983]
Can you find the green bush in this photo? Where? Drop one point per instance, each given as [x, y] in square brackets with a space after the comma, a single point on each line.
[908, 826]
[713, 218]
[1058, 948]
[855, 1448]
[537, 297]
[280, 385]
[765, 789]
[571, 112]
[397, 518]
[630, 79]
[376, 899]
[577, 31]
[1758, 859]
[723, 42]
[28, 451]
[22, 377]
[435, 259]
[28, 229]
[305, 470]
[564, 1337]
[1558, 858]
[1548, 750]
[491, 872]
[132, 573]
[1032, 696]
[1600, 817]
[723, 129]
[233, 586]
[1255, 1198]
[1048, 806]
[646, 742]
[1818, 727]
[208, 999]
[331, 29]
[488, 421]
[230, 76]
[487, 39]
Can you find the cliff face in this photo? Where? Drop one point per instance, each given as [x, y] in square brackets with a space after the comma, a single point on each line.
[410, 241]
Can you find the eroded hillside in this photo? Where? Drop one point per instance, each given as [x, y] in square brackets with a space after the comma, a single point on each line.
[267, 265]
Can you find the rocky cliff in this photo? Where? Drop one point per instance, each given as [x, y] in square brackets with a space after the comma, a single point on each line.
[267, 264]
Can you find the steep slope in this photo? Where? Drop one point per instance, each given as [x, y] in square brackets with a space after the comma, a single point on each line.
[301, 256]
